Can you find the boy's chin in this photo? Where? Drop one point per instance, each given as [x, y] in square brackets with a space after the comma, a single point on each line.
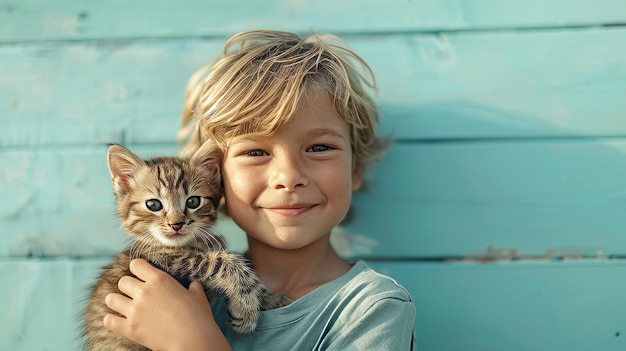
[292, 241]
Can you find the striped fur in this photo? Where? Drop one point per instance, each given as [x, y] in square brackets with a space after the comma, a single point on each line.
[168, 207]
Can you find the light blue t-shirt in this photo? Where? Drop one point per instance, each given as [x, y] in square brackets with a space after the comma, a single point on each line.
[361, 310]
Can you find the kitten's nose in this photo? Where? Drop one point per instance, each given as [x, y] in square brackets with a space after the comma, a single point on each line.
[177, 226]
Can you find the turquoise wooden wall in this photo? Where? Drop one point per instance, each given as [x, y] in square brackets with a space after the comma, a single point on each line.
[501, 205]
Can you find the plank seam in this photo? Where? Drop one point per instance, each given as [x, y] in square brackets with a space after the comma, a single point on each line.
[344, 34]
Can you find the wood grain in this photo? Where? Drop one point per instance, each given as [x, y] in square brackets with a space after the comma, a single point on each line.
[456, 86]
[32, 20]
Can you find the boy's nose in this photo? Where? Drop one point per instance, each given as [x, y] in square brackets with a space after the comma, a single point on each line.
[288, 173]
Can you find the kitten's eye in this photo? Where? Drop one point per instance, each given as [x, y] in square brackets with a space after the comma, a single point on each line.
[193, 202]
[154, 205]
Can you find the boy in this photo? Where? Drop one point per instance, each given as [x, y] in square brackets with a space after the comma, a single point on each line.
[296, 131]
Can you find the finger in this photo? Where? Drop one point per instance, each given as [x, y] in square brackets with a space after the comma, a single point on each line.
[114, 323]
[143, 269]
[129, 285]
[117, 302]
[196, 289]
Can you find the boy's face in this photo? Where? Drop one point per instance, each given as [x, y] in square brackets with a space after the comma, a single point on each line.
[289, 190]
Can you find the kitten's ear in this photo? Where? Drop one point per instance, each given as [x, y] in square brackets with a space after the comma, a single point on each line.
[207, 157]
[124, 167]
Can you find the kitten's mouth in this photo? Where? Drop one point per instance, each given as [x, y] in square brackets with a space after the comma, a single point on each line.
[177, 235]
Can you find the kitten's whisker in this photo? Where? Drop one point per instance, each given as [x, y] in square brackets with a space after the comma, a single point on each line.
[216, 239]
[141, 245]
[194, 245]
[155, 247]
[206, 239]
[217, 242]
[145, 247]
[135, 248]
[200, 234]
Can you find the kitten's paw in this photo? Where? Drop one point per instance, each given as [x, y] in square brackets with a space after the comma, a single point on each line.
[244, 313]
[272, 301]
[244, 325]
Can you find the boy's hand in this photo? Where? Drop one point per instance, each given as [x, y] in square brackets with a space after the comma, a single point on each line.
[161, 314]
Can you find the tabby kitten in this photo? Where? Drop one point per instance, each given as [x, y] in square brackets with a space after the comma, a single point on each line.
[168, 206]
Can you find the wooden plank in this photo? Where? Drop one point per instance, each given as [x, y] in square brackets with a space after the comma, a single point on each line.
[501, 85]
[453, 86]
[94, 94]
[438, 200]
[514, 306]
[43, 303]
[26, 20]
[426, 200]
[62, 202]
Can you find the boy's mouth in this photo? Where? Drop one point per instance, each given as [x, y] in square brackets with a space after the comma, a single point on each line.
[291, 210]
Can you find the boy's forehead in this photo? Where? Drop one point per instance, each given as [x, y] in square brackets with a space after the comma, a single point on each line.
[314, 110]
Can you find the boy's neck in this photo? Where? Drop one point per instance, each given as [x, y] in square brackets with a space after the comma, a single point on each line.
[294, 273]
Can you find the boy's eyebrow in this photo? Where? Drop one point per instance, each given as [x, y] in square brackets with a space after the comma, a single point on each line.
[326, 131]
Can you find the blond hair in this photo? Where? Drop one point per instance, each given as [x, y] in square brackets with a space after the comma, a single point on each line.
[259, 80]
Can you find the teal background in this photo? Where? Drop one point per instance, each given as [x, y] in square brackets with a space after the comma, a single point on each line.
[501, 205]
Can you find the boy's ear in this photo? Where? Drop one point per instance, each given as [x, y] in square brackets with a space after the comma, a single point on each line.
[207, 157]
[124, 167]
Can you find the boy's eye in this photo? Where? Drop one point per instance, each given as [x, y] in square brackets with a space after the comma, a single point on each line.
[193, 202]
[319, 148]
[255, 153]
[154, 205]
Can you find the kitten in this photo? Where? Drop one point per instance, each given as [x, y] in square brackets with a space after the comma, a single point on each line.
[168, 206]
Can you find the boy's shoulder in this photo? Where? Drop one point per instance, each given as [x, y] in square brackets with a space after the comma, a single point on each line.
[368, 284]
[369, 297]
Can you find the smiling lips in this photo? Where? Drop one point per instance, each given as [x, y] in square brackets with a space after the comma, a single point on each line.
[291, 210]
